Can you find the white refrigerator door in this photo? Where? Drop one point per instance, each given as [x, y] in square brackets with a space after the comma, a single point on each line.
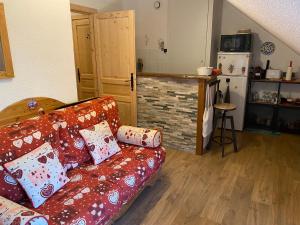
[234, 64]
[238, 93]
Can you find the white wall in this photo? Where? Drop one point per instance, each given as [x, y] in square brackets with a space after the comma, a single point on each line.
[151, 26]
[187, 35]
[214, 30]
[279, 17]
[182, 25]
[233, 20]
[41, 44]
[102, 5]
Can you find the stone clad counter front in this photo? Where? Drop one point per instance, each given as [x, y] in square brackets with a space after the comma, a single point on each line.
[169, 103]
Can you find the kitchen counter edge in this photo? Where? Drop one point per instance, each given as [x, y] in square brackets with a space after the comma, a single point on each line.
[180, 76]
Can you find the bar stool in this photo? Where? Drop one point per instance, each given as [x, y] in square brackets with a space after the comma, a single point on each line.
[224, 107]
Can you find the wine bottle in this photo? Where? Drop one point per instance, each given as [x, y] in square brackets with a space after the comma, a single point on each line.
[227, 94]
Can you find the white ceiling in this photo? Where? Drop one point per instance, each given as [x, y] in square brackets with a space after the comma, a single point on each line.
[279, 17]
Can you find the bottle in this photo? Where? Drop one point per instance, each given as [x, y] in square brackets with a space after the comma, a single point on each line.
[227, 94]
[264, 72]
[289, 71]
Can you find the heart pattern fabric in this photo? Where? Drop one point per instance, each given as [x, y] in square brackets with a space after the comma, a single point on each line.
[139, 136]
[80, 221]
[39, 172]
[107, 109]
[15, 214]
[98, 192]
[19, 139]
[113, 197]
[101, 141]
[37, 135]
[28, 139]
[18, 143]
[72, 119]
[130, 181]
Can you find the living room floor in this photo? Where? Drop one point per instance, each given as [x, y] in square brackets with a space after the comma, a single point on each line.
[259, 185]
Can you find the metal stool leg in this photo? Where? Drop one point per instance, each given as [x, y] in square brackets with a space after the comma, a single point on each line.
[233, 134]
[223, 132]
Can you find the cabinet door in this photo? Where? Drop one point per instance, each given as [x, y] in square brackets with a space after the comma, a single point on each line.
[115, 51]
[84, 56]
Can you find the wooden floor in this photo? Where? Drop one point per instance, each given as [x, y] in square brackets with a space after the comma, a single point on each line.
[259, 185]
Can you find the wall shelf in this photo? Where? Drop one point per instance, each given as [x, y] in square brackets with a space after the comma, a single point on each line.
[282, 81]
[263, 103]
[269, 116]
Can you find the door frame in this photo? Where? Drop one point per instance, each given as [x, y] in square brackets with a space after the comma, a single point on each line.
[82, 9]
[87, 13]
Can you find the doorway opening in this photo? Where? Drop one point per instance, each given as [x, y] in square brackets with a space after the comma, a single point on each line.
[84, 51]
[104, 46]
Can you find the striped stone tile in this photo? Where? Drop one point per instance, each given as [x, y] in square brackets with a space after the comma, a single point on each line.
[170, 104]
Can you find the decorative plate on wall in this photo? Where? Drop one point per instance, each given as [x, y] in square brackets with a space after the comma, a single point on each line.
[267, 48]
[157, 4]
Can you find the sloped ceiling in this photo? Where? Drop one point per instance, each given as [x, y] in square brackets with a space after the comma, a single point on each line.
[279, 17]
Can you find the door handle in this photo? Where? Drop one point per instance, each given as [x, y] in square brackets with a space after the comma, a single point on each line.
[78, 74]
[131, 82]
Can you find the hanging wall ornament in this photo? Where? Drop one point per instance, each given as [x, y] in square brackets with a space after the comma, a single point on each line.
[267, 48]
[157, 4]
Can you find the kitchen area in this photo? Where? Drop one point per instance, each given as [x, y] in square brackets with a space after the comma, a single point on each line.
[169, 91]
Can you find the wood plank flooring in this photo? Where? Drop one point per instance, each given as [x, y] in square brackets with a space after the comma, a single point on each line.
[259, 185]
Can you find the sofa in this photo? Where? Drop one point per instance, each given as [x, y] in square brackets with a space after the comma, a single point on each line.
[95, 194]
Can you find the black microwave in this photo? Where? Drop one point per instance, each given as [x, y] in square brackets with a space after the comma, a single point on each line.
[236, 43]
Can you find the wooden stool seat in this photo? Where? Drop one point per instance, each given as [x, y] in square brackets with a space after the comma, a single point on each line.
[225, 106]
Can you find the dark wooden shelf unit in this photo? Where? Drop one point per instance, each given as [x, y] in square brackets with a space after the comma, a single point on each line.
[295, 81]
[273, 108]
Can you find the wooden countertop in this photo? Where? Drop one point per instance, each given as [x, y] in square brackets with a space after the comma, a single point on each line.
[179, 76]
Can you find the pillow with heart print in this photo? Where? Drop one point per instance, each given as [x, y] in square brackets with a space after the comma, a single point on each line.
[19, 139]
[107, 109]
[100, 141]
[39, 172]
[71, 120]
[13, 213]
[139, 136]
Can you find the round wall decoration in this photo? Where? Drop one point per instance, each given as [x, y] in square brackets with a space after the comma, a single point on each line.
[267, 48]
[157, 4]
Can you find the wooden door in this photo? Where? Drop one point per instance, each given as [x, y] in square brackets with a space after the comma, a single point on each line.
[115, 54]
[83, 36]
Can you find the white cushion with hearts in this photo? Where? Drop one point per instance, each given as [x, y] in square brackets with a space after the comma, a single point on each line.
[13, 213]
[139, 136]
[100, 141]
[39, 172]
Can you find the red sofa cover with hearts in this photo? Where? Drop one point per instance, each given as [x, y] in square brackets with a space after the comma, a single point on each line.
[19, 139]
[95, 194]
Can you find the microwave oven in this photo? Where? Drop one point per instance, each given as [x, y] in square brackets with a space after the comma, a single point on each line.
[236, 43]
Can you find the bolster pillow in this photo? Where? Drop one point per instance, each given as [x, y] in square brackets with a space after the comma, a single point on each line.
[139, 136]
[13, 213]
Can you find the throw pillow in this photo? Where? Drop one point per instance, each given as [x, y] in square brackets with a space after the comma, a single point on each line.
[19, 139]
[39, 172]
[13, 213]
[100, 141]
[139, 136]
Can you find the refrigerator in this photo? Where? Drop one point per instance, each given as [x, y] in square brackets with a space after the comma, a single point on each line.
[235, 69]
